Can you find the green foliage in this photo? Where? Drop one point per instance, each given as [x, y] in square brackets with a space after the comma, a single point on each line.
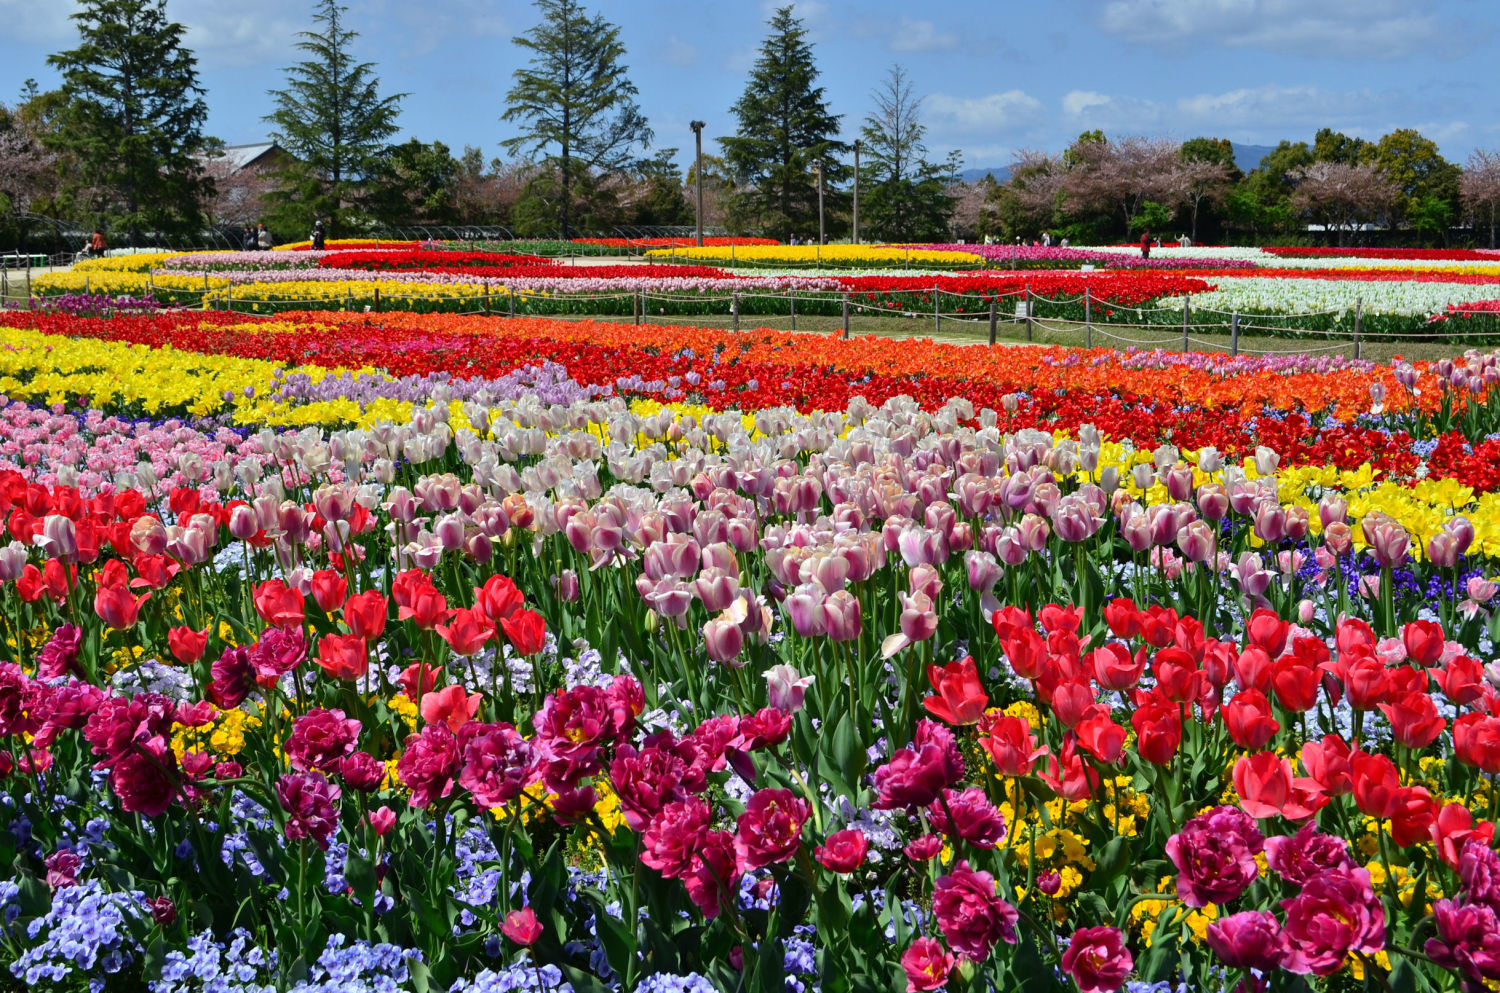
[1219, 151]
[131, 118]
[784, 128]
[332, 118]
[1153, 216]
[906, 194]
[658, 198]
[1414, 164]
[1335, 146]
[574, 103]
[591, 206]
[416, 183]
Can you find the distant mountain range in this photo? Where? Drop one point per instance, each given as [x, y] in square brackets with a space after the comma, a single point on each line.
[1247, 157]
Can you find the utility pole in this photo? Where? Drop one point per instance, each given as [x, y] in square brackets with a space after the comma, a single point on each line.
[819, 167]
[697, 127]
[857, 144]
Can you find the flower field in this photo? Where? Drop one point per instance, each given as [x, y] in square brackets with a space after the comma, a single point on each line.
[1325, 294]
[452, 652]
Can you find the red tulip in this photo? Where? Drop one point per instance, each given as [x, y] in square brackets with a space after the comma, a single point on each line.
[1328, 763]
[1177, 675]
[365, 614]
[1414, 719]
[116, 607]
[1103, 738]
[960, 698]
[1248, 719]
[187, 645]
[1461, 680]
[329, 590]
[1423, 641]
[428, 608]
[450, 706]
[499, 598]
[1267, 788]
[1476, 741]
[1377, 788]
[1268, 631]
[467, 630]
[1454, 828]
[279, 605]
[1114, 668]
[1416, 811]
[343, 656]
[1010, 743]
[1123, 618]
[526, 630]
[1295, 683]
[1367, 682]
[521, 926]
[1158, 732]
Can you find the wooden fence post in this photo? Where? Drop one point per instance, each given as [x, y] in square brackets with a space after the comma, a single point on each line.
[1359, 307]
[735, 306]
[377, 299]
[1185, 305]
[994, 317]
[1088, 320]
[1234, 333]
[636, 306]
[791, 296]
[937, 313]
[846, 315]
[1027, 298]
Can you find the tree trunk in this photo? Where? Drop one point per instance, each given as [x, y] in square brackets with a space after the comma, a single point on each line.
[567, 194]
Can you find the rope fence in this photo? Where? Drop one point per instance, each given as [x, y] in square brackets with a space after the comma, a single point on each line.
[1022, 313]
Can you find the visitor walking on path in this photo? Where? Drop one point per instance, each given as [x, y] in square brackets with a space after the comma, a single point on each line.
[97, 247]
[1145, 244]
[318, 239]
[263, 239]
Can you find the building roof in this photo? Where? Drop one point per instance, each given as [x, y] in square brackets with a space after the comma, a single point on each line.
[242, 156]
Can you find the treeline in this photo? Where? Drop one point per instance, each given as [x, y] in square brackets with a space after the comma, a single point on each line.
[121, 143]
[1335, 189]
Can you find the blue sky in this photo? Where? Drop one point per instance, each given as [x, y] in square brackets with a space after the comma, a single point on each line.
[997, 75]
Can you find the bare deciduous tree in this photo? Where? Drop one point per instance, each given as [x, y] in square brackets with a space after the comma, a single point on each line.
[1342, 196]
[1122, 175]
[1194, 182]
[1479, 187]
[27, 168]
[239, 196]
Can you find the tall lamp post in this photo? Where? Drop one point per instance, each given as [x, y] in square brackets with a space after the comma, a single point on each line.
[818, 165]
[857, 144]
[697, 127]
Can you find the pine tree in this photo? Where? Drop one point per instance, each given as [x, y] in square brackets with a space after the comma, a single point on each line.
[574, 102]
[333, 120]
[133, 118]
[784, 130]
[908, 198]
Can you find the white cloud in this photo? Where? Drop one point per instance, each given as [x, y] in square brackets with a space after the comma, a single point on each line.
[32, 21]
[920, 36]
[674, 51]
[1352, 29]
[1271, 112]
[1078, 102]
[981, 115]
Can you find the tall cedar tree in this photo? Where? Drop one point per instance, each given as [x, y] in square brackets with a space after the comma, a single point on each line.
[133, 118]
[784, 129]
[333, 120]
[907, 195]
[574, 103]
